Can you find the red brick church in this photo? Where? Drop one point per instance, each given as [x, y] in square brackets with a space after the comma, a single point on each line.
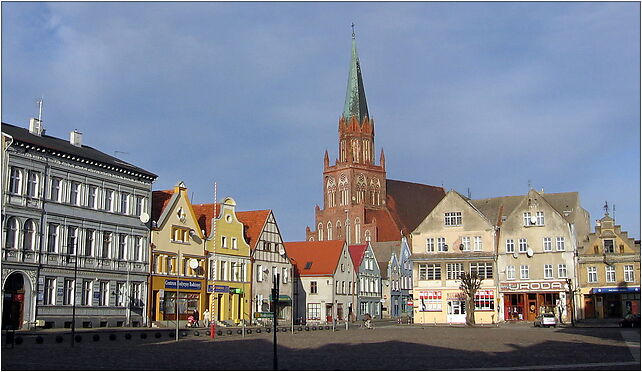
[359, 203]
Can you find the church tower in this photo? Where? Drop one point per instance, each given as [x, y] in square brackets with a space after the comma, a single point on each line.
[354, 182]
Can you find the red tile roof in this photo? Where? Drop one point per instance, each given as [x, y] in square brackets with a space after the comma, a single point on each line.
[356, 253]
[204, 214]
[321, 258]
[254, 222]
[160, 199]
[409, 203]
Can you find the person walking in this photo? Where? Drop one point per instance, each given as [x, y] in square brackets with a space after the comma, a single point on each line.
[196, 323]
[206, 317]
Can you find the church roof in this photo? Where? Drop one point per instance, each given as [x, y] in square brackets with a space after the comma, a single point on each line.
[315, 258]
[409, 203]
[355, 104]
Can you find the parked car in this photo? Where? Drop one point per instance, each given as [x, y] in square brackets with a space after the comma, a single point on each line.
[630, 321]
[545, 320]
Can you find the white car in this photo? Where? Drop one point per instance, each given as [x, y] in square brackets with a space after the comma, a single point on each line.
[545, 320]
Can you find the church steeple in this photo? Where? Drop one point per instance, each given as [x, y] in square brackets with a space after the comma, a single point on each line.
[355, 104]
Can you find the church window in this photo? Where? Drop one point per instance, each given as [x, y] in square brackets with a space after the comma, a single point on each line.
[320, 231]
[329, 230]
[338, 229]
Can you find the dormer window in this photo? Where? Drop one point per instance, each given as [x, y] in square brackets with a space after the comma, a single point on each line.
[609, 246]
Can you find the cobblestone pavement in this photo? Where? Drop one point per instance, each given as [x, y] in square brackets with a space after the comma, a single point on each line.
[384, 348]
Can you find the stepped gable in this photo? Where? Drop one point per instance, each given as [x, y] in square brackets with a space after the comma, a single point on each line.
[323, 257]
[253, 222]
[409, 203]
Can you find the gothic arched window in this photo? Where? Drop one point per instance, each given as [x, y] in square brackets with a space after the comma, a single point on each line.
[343, 189]
[331, 190]
[329, 230]
[338, 229]
[320, 231]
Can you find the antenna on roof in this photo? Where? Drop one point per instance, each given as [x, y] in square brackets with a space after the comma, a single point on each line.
[40, 102]
[469, 193]
[613, 211]
[606, 208]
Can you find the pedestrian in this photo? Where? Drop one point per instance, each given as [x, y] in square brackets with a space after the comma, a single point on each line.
[196, 323]
[206, 317]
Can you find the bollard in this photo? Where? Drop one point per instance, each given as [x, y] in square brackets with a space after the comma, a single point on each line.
[346, 325]
[212, 329]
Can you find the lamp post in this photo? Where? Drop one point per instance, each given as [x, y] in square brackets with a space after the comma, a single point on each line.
[275, 296]
[572, 295]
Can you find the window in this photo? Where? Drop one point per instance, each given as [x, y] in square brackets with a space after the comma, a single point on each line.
[330, 231]
[523, 271]
[90, 236]
[68, 292]
[72, 239]
[136, 295]
[484, 299]
[224, 241]
[29, 242]
[430, 301]
[284, 275]
[441, 245]
[314, 311]
[560, 243]
[483, 269]
[433, 272]
[313, 287]
[548, 271]
[452, 218]
[478, 244]
[540, 218]
[510, 272]
[235, 270]
[109, 200]
[122, 246]
[523, 245]
[610, 273]
[527, 218]
[15, 181]
[592, 274]
[120, 294]
[124, 203]
[628, 273]
[50, 291]
[430, 244]
[454, 270]
[103, 299]
[234, 244]
[609, 247]
[56, 189]
[92, 197]
[140, 205]
[106, 244]
[223, 267]
[86, 293]
[510, 246]
[561, 271]
[138, 249]
[259, 273]
[548, 245]
[75, 193]
[465, 242]
[32, 184]
[52, 238]
[12, 233]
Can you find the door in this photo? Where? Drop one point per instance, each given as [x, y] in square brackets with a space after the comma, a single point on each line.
[13, 303]
[532, 310]
[328, 313]
[456, 311]
[589, 309]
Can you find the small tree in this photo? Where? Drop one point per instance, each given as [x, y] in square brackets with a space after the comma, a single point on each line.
[470, 283]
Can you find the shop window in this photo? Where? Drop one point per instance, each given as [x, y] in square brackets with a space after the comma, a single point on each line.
[485, 299]
[314, 311]
[430, 301]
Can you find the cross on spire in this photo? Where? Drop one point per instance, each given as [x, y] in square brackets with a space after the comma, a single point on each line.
[353, 30]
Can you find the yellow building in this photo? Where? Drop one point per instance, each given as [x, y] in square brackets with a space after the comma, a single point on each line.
[178, 256]
[609, 272]
[229, 288]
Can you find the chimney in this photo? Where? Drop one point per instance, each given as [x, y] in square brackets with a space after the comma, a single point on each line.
[35, 126]
[75, 138]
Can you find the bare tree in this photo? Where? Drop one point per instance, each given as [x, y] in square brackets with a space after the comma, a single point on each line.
[470, 283]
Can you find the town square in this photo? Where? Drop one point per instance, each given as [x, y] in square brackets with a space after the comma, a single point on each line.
[195, 186]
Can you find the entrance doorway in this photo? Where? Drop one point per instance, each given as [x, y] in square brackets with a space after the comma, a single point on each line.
[589, 308]
[13, 304]
[456, 311]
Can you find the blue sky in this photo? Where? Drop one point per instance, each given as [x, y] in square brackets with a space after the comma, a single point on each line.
[485, 96]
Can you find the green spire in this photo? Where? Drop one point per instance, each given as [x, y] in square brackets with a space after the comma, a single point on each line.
[355, 104]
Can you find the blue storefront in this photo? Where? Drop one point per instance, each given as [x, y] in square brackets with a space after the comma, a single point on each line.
[613, 302]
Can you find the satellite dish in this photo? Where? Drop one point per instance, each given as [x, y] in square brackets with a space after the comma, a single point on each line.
[533, 220]
[515, 255]
[445, 247]
[529, 252]
[281, 250]
[193, 263]
[461, 247]
[144, 217]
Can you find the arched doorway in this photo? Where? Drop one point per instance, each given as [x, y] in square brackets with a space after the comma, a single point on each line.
[15, 304]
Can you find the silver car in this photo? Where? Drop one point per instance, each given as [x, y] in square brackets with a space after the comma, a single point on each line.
[545, 320]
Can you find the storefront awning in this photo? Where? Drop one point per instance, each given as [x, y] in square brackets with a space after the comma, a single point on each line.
[282, 298]
[615, 290]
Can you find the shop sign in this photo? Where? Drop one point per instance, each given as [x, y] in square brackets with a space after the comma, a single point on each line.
[617, 290]
[211, 288]
[455, 296]
[263, 315]
[558, 286]
[183, 284]
[410, 303]
[430, 294]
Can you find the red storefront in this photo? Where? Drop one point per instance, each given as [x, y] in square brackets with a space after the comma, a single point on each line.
[526, 300]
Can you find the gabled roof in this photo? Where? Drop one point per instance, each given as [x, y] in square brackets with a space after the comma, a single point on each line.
[160, 199]
[59, 147]
[383, 252]
[204, 215]
[409, 203]
[356, 254]
[254, 222]
[321, 258]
